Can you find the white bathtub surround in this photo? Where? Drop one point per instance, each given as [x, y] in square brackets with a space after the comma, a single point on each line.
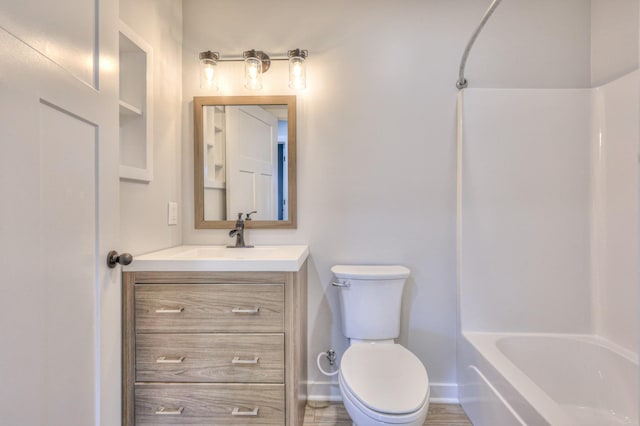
[557, 379]
[524, 224]
[548, 243]
[616, 109]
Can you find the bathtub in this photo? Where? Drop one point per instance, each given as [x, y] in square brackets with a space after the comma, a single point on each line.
[546, 379]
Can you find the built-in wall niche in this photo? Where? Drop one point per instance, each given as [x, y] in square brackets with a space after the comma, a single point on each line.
[136, 115]
[214, 146]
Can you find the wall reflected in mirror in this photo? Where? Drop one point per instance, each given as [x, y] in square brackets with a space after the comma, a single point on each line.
[243, 152]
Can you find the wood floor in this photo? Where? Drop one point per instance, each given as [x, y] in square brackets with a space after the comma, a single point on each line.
[334, 414]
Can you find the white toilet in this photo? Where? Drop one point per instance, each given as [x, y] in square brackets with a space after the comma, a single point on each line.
[381, 382]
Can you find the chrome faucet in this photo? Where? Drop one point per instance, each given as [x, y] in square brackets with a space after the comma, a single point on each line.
[238, 231]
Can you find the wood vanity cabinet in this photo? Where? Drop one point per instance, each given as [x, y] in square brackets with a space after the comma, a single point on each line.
[214, 348]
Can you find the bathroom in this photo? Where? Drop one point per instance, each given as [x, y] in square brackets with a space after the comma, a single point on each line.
[377, 154]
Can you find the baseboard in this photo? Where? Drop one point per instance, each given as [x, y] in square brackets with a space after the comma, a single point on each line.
[323, 391]
[444, 393]
[441, 393]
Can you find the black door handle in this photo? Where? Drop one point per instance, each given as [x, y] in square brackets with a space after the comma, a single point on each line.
[113, 258]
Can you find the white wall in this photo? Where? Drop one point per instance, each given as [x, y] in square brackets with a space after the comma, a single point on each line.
[614, 39]
[525, 221]
[376, 136]
[529, 44]
[143, 207]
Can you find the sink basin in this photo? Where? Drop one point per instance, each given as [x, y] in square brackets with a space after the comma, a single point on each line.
[221, 258]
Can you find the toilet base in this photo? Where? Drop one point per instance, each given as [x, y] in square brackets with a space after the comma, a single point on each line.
[359, 418]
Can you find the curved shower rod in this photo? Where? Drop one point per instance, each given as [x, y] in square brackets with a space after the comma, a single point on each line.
[462, 82]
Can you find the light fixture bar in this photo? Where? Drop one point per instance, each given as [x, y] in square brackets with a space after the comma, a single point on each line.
[241, 59]
[257, 63]
[278, 57]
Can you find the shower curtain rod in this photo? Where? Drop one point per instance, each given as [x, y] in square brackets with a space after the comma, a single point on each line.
[462, 82]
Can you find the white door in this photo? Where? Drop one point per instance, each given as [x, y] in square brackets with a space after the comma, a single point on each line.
[59, 214]
[252, 151]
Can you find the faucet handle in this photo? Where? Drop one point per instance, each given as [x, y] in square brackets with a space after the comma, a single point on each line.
[249, 215]
[240, 216]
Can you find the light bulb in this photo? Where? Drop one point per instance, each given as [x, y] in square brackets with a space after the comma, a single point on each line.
[253, 73]
[209, 73]
[297, 69]
[297, 78]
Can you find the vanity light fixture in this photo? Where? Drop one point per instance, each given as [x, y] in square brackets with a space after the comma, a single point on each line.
[256, 63]
[208, 70]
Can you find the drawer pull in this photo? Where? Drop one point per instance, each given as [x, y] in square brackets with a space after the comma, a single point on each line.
[236, 412]
[252, 311]
[238, 360]
[170, 411]
[169, 310]
[170, 360]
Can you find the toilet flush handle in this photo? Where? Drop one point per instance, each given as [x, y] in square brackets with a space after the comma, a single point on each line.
[339, 284]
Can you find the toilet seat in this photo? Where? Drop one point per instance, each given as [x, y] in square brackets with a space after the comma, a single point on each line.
[366, 417]
[385, 380]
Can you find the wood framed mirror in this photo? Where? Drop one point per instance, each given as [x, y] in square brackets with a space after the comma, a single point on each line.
[244, 161]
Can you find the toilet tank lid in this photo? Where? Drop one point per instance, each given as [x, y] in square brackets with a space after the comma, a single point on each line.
[370, 272]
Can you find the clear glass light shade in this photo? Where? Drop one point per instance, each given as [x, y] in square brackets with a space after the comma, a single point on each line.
[297, 73]
[253, 73]
[208, 74]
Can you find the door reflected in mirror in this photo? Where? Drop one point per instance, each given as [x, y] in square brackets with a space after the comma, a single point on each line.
[244, 161]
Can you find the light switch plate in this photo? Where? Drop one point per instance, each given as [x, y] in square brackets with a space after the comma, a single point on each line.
[173, 213]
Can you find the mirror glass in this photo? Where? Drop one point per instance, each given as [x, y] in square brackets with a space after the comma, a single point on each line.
[244, 160]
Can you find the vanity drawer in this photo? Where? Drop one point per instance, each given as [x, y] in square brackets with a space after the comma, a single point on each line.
[202, 308]
[209, 404]
[250, 358]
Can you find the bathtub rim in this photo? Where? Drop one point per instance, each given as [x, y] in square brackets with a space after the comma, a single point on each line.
[486, 347]
[593, 339]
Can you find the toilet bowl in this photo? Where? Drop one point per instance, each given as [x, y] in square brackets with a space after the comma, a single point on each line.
[381, 382]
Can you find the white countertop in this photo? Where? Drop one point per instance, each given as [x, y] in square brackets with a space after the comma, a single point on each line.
[221, 258]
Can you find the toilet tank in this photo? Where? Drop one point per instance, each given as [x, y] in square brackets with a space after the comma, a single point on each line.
[370, 300]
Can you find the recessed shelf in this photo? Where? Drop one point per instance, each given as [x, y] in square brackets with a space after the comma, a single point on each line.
[214, 185]
[128, 109]
[135, 106]
[214, 128]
